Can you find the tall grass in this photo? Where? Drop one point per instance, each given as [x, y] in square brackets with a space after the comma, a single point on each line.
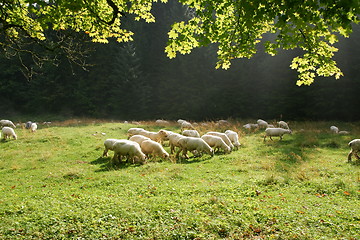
[56, 185]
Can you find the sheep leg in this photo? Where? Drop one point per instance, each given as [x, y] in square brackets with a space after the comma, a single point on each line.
[349, 155]
[271, 138]
[264, 138]
[105, 153]
[356, 155]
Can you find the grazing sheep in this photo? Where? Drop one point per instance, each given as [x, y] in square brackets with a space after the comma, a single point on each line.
[109, 145]
[33, 127]
[234, 138]
[152, 148]
[355, 147]
[191, 144]
[216, 143]
[174, 140]
[334, 129]
[129, 149]
[135, 131]
[262, 124]
[162, 122]
[344, 132]
[250, 126]
[186, 125]
[283, 124]
[8, 132]
[156, 136]
[224, 137]
[7, 123]
[191, 133]
[28, 125]
[276, 132]
[138, 138]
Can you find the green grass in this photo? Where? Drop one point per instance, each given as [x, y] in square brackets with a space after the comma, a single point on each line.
[56, 185]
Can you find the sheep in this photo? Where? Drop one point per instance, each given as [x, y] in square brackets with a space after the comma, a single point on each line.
[355, 147]
[191, 133]
[150, 147]
[283, 124]
[109, 145]
[234, 138]
[279, 132]
[344, 132]
[156, 136]
[334, 129]
[33, 127]
[162, 122]
[135, 131]
[216, 143]
[128, 148]
[7, 123]
[186, 125]
[224, 137]
[174, 140]
[8, 132]
[262, 124]
[28, 125]
[250, 126]
[138, 138]
[191, 144]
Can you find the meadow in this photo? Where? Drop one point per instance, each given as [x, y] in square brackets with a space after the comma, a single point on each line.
[55, 184]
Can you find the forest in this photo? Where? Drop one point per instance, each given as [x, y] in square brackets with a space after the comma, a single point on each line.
[137, 81]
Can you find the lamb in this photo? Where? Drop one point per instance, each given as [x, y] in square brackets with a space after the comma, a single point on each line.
[355, 147]
[8, 132]
[334, 129]
[279, 132]
[33, 127]
[138, 138]
[262, 124]
[191, 144]
[234, 138]
[128, 148]
[152, 148]
[216, 143]
[224, 137]
[191, 133]
[7, 123]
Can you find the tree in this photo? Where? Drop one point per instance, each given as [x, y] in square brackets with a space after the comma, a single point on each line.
[236, 27]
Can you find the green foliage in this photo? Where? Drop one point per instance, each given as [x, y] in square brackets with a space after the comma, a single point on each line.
[55, 184]
[235, 27]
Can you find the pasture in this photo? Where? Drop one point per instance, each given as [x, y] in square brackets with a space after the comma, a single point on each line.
[55, 184]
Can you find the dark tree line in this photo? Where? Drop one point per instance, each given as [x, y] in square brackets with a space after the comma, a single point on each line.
[137, 81]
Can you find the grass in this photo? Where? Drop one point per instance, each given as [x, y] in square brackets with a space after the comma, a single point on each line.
[56, 185]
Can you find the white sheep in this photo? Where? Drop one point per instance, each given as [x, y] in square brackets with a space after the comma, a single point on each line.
[174, 141]
[224, 137]
[262, 124]
[276, 132]
[193, 144]
[33, 127]
[155, 136]
[355, 147]
[334, 129]
[8, 132]
[129, 149]
[283, 124]
[135, 131]
[250, 126]
[162, 122]
[109, 145]
[344, 132]
[152, 148]
[138, 138]
[216, 143]
[7, 123]
[186, 125]
[191, 133]
[234, 138]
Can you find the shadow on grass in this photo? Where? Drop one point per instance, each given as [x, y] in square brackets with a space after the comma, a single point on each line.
[108, 165]
[193, 159]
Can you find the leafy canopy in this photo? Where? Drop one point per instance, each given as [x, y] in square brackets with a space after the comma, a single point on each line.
[236, 27]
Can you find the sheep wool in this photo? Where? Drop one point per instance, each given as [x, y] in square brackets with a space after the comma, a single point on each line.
[8, 132]
[276, 132]
[355, 148]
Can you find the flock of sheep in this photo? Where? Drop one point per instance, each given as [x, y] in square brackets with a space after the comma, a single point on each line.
[142, 144]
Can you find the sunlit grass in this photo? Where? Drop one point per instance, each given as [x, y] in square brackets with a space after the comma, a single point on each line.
[56, 185]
